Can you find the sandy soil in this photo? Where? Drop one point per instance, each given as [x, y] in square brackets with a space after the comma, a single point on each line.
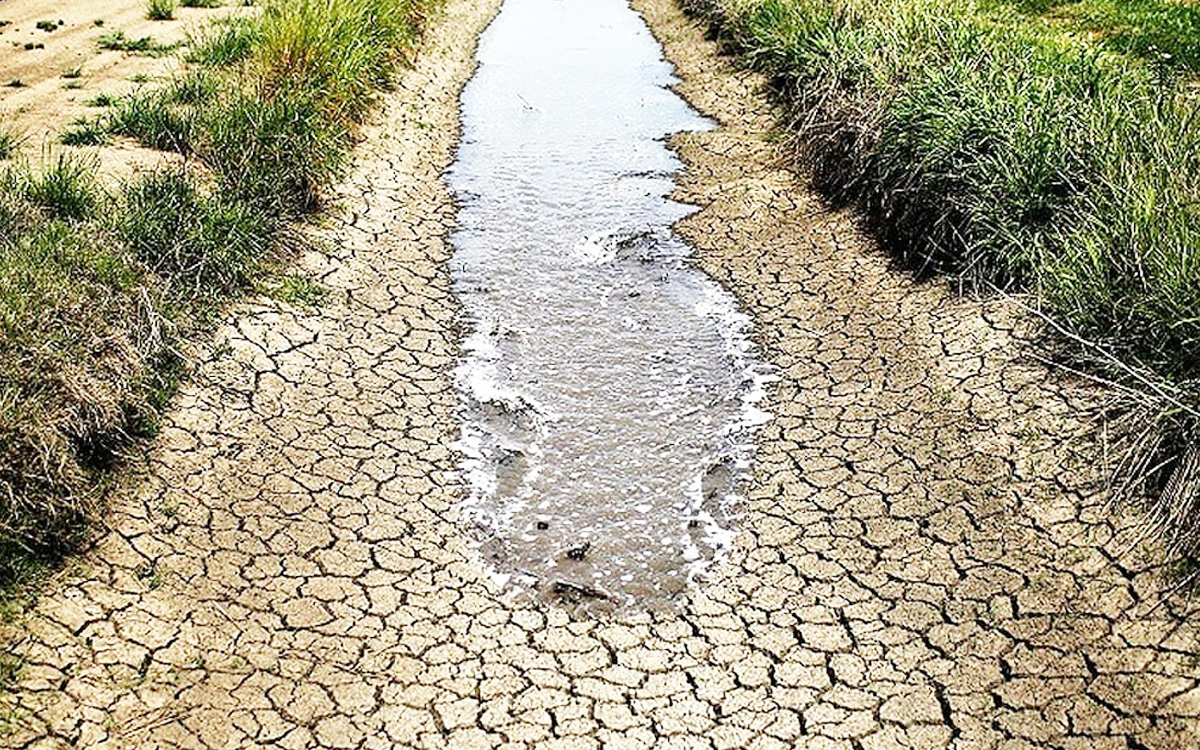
[60, 69]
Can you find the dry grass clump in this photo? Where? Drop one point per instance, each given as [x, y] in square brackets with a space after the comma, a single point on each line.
[71, 328]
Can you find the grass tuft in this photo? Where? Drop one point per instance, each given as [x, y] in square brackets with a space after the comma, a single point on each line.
[160, 10]
[300, 291]
[202, 245]
[85, 132]
[154, 119]
[146, 45]
[275, 154]
[225, 42]
[66, 188]
[10, 142]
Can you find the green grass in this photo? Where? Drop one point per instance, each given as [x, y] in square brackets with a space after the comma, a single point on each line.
[18, 573]
[161, 10]
[299, 291]
[10, 142]
[155, 119]
[225, 42]
[85, 132]
[275, 153]
[69, 321]
[97, 285]
[1164, 31]
[1017, 155]
[202, 244]
[65, 188]
[145, 45]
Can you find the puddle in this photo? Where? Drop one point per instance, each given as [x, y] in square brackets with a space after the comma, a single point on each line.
[608, 387]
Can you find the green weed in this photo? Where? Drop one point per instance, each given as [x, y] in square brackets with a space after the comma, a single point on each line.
[299, 291]
[18, 584]
[85, 132]
[160, 10]
[146, 45]
[10, 142]
[225, 42]
[11, 668]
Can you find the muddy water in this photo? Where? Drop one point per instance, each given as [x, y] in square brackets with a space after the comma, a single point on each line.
[608, 387]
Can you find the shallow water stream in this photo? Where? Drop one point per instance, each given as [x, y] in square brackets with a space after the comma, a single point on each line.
[608, 387]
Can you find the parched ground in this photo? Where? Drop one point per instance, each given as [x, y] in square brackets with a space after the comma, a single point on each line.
[926, 558]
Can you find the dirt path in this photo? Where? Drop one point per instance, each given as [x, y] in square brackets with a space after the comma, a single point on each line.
[925, 560]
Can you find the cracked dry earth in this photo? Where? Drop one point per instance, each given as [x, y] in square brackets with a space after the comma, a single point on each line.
[926, 558]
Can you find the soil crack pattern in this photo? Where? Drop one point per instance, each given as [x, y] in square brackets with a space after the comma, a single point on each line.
[926, 557]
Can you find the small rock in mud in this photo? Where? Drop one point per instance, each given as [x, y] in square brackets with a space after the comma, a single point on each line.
[576, 591]
[578, 553]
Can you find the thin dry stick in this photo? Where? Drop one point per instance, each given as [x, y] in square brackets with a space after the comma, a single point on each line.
[1104, 354]
[170, 718]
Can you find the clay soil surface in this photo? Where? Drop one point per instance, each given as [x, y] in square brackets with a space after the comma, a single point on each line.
[48, 75]
[927, 558]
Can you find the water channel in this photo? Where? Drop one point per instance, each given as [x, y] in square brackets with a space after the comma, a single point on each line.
[608, 387]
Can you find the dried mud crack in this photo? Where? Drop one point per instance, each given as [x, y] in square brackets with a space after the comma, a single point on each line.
[926, 560]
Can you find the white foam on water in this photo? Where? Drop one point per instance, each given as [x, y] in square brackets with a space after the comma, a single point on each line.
[610, 391]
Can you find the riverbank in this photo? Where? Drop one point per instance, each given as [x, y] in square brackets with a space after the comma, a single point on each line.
[1018, 154]
[309, 441]
[105, 277]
